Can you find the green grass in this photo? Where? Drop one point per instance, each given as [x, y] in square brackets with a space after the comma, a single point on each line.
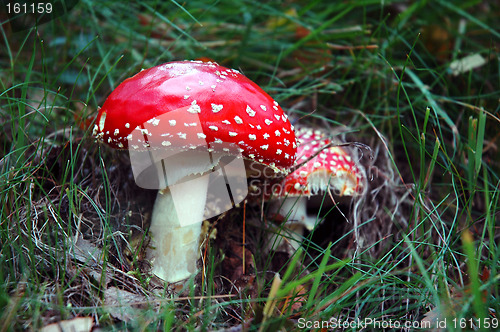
[427, 229]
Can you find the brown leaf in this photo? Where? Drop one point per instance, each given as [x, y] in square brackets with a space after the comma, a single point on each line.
[438, 41]
[485, 275]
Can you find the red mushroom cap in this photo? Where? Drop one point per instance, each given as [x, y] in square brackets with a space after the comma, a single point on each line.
[332, 167]
[188, 104]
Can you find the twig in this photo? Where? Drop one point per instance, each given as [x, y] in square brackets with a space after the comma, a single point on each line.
[244, 215]
[351, 48]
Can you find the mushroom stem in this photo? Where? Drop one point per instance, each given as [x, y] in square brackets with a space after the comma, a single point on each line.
[176, 227]
[286, 238]
[295, 211]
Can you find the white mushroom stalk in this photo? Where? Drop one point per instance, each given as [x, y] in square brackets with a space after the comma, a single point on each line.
[176, 228]
[180, 209]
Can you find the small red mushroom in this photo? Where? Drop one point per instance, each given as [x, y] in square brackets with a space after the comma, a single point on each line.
[333, 170]
[186, 118]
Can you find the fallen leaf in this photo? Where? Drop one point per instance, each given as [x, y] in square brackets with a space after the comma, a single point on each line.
[438, 41]
[85, 252]
[78, 324]
[466, 64]
[123, 305]
[90, 256]
[485, 275]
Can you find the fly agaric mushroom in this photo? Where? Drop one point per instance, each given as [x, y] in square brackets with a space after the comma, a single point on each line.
[331, 170]
[195, 115]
